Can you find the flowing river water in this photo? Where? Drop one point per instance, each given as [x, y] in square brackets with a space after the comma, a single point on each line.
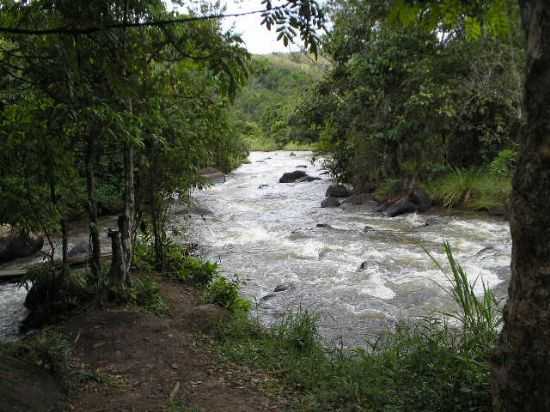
[360, 271]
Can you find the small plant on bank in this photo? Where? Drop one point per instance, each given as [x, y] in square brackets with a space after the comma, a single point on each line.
[145, 292]
[198, 272]
[226, 293]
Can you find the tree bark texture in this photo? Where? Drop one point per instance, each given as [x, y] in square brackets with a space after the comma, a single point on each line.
[95, 244]
[118, 272]
[521, 370]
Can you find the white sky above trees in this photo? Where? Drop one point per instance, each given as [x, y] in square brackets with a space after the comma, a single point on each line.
[257, 38]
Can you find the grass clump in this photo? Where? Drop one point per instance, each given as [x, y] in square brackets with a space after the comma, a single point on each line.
[226, 293]
[471, 188]
[196, 271]
[423, 366]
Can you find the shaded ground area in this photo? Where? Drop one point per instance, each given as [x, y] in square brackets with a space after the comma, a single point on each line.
[26, 387]
[141, 362]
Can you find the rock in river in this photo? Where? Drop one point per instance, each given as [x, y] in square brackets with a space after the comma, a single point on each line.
[80, 249]
[296, 177]
[337, 191]
[330, 202]
[15, 245]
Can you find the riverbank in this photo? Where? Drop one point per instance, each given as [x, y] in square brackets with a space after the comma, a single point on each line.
[125, 358]
[192, 356]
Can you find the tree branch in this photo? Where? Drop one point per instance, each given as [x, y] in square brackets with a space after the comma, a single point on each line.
[154, 23]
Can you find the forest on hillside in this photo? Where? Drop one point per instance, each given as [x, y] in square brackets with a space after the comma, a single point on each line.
[123, 107]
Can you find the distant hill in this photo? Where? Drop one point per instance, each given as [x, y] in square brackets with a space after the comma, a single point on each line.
[276, 85]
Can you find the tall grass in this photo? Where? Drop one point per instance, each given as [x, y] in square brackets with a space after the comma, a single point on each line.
[471, 188]
[424, 366]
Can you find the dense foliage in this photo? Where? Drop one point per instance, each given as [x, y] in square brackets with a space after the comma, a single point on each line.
[410, 101]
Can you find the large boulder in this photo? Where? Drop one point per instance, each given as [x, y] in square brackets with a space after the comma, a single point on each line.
[15, 245]
[330, 202]
[401, 207]
[307, 178]
[291, 177]
[421, 199]
[337, 191]
[80, 249]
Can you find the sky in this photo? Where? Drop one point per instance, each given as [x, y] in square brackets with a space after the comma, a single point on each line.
[257, 38]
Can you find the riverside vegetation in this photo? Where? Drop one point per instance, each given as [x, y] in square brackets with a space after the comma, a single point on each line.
[432, 364]
[128, 100]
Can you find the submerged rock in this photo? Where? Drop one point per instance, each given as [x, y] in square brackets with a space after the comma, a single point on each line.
[330, 202]
[337, 191]
[283, 287]
[323, 225]
[301, 166]
[362, 266]
[267, 297]
[263, 186]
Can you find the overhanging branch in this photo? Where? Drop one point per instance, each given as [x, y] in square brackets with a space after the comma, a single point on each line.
[155, 23]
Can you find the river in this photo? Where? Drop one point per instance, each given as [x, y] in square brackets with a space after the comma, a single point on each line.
[267, 233]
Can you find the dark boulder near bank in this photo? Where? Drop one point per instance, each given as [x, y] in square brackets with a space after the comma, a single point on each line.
[337, 191]
[416, 200]
[15, 245]
[297, 176]
[80, 249]
[401, 207]
[330, 202]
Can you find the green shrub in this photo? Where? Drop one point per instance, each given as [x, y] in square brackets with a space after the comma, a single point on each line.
[145, 292]
[226, 293]
[197, 271]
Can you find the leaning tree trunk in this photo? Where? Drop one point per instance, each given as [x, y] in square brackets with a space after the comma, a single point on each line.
[521, 373]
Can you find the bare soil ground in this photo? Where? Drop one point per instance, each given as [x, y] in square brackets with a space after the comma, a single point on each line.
[142, 362]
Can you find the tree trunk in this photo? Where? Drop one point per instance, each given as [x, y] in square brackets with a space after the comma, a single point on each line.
[126, 225]
[117, 274]
[64, 246]
[91, 157]
[521, 370]
[129, 204]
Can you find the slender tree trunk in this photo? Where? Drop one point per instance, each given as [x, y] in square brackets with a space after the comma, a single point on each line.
[95, 245]
[117, 274]
[126, 222]
[64, 246]
[521, 370]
